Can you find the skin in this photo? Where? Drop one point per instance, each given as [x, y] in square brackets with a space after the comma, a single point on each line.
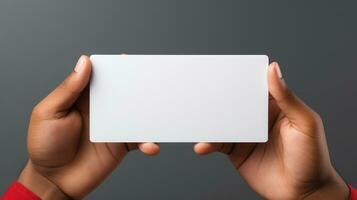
[63, 163]
[294, 163]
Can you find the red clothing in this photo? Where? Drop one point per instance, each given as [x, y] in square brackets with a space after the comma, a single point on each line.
[19, 192]
[353, 193]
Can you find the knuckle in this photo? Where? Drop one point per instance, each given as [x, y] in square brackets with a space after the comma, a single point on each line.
[37, 110]
[317, 119]
[287, 96]
[314, 121]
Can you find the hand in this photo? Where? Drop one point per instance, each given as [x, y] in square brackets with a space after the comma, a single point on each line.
[63, 162]
[294, 163]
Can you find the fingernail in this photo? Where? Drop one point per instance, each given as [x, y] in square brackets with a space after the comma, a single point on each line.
[80, 64]
[278, 71]
[279, 74]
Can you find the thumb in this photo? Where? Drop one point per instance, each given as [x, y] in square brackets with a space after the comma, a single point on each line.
[291, 106]
[63, 97]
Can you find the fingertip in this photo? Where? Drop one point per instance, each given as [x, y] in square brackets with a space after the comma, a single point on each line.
[202, 148]
[274, 71]
[82, 65]
[86, 59]
[149, 148]
[81, 72]
[272, 64]
[64, 96]
[276, 83]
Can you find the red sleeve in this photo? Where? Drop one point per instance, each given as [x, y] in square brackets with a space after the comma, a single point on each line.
[353, 193]
[17, 191]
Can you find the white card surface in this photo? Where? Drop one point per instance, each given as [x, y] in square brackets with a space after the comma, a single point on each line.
[179, 98]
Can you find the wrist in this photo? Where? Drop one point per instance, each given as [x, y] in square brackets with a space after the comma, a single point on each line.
[332, 188]
[40, 185]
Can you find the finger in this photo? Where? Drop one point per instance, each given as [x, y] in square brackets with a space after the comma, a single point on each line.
[64, 96]
[274, 112]
[131, 146]
[293, 108]
[238, 153]
[149, 148]
[207, 148]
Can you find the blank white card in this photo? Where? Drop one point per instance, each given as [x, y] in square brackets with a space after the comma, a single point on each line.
[179, 98]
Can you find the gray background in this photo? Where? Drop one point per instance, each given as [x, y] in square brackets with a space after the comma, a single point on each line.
[314, 41]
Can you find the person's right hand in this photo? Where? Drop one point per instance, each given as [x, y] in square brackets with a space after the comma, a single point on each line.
[63, 162]
[294, 163]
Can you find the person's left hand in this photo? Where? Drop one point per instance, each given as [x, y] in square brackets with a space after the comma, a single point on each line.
[294, 163]
[63, 162]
